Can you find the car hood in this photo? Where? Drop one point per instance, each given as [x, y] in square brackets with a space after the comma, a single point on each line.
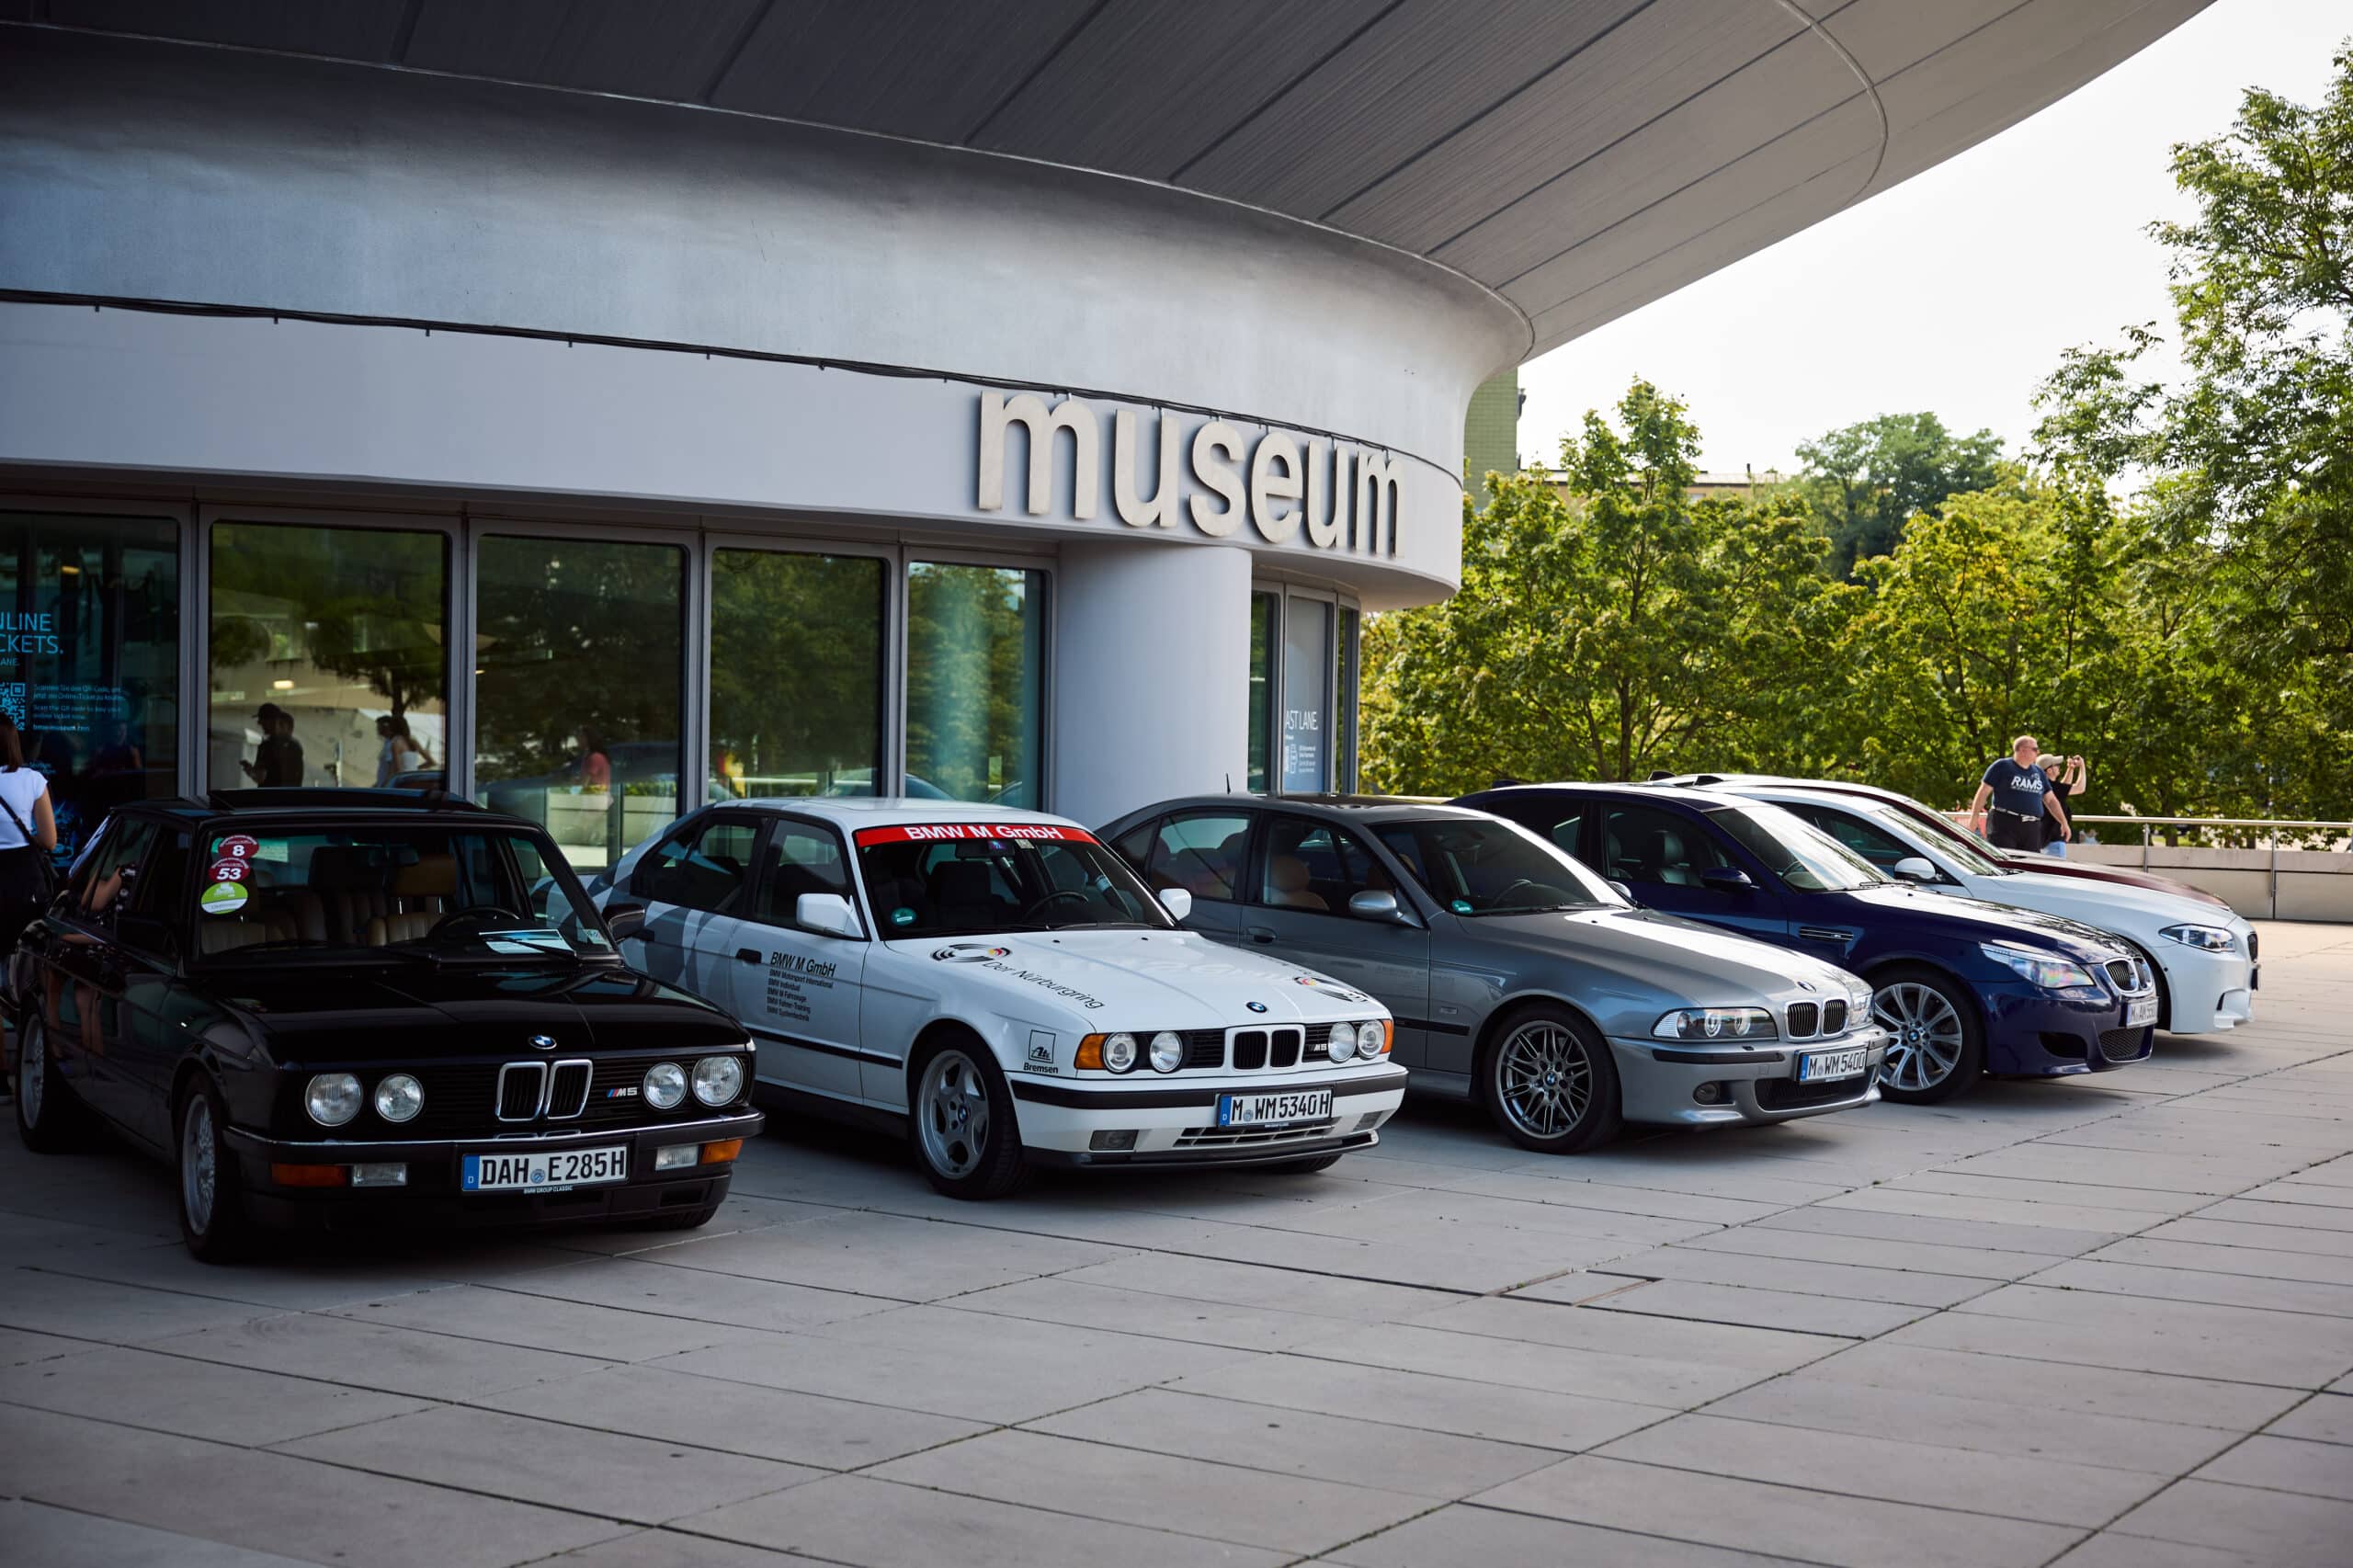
[1131, 980]
[1694, 963]
[418, 1013]
[1963, 918]
[2114, 876]
[2110, 906]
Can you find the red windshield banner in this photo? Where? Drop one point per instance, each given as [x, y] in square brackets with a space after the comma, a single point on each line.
[973, 832]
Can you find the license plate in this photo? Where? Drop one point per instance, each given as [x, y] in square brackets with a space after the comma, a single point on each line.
[1258, 1110]
[546, 1171]
[2139, 1011]
[1828, 1066]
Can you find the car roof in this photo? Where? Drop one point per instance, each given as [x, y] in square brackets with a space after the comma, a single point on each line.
[892, 810]
[1362, 808]
[278, 807]
[1783, 781]
[1636, 792]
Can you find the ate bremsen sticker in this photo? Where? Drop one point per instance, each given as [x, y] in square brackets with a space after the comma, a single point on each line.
[223, 898]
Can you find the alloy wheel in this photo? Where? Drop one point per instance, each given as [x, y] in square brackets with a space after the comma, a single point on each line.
[952, 1114]
[1543, 1080]
[197, 1170]
[32, 1073]
[1928, 1035]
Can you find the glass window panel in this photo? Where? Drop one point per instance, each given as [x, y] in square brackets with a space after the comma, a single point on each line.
[820, 618]
[579, 678]
[974, 665]
[329, 664]
[1262, 686]
[801, 859]
[1311, 865]
[90, 660]
[703, 866]
[1307, 675]
[1343, 703]
[1200, 852]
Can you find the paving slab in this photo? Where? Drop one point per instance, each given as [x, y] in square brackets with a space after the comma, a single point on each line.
[1454, 1536]
[1594, 1374]
[2263, 1263]
[2012, 1378]
[646, 1284]
[2287, 1464]
[1843, 1317]
[2197, 1286]
[2278, 1528]
[1518, 1316]
[548, 1322]
[1064, 1299]
[2325, 1417]
[54, 1538]
[1841, 1281]
[2242, 1344]
[375, 1356]
[195, 1399]
[1533, 1417]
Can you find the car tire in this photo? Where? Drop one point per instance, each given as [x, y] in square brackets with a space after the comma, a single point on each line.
[960, 1121]
[213, 1223]
[50, 1120]
[1548, 1081]
[1939, 1045]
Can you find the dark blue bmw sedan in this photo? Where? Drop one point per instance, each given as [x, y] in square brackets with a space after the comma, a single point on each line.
[1965, 988]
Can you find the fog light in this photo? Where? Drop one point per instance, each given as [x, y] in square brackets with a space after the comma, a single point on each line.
[1709, 1093]
[1113, 1142]
[379, 1175]
[677, 1156]
[309, 1175]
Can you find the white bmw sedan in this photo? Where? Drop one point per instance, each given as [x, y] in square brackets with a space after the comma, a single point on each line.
[1004, 988]
[2204, 953]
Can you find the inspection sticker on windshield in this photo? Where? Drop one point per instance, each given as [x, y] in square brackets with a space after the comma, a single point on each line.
[222, 898]
[534, 940]
[973, 832]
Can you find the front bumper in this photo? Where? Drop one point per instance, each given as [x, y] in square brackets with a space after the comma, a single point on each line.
[2207, 993]
[1175, 1124]
[2031, 1033]
[433, 1194]
[1656, 1080]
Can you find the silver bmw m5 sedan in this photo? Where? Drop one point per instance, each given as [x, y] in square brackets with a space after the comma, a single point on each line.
[1519, 979]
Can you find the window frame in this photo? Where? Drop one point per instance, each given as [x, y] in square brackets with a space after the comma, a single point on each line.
[1250, 833]
[1262, 840]
[700, 823]
[764, 868]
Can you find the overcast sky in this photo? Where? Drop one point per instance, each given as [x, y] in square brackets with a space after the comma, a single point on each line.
[1956, 291]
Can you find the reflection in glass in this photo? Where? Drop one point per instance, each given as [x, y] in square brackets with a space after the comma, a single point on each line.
[1343, 703]
[579, 677]
[90, 658]
[328, 658]
[796, 674]
[1262, 688]
[973, 682]
[1307, 674]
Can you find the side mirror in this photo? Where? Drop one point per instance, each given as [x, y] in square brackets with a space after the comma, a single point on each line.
[1373, 904]
[1178, 902]
[827, 913]
[624, 921]
[1727, 878]
[1622, 891]
[1914, 868]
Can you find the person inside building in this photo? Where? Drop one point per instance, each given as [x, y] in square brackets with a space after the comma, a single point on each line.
[2013, 800]
[278, 760]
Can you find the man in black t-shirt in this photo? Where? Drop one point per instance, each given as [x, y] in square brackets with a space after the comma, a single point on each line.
[2013, 800]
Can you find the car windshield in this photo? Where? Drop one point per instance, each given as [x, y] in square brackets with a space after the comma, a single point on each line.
[441, 888]
[1800, 854]
[972, 879]
[1967, 853]
[1475, 867]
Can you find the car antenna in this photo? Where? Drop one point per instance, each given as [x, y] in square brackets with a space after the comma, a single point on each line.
[1657, 774]
[1228, 782]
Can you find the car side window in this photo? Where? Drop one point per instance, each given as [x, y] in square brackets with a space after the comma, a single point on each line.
[108, 876]
[1202, 852]
[1881, 848]
[1134, 846]
[1312, 866]
[801, 858]
[1645, 844]
[703, 866]
[1563, 830]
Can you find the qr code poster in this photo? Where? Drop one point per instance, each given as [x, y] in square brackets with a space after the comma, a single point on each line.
[12, 701]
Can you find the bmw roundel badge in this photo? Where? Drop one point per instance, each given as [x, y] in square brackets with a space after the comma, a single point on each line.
[1256, 1006]
[543, 1042]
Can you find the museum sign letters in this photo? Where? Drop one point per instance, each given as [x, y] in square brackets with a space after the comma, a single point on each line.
[1291, 490]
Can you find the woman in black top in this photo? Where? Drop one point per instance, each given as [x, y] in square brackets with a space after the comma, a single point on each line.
[2066, 781]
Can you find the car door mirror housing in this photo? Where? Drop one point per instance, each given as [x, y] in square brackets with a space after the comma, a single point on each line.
[827, 913]
[1914, 868]
[1727, 878]
[1178, 902]
[1378, 905]
[1622, 891]
[624, 920]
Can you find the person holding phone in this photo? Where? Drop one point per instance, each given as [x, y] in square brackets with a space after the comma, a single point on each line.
[2066, 781]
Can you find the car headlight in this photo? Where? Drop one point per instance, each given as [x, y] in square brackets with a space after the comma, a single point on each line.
[1343, 1044]
[399, 1099]
[719, 1079]
[332, 1099]
[1373, 1039]
[665, 1086]
[2205, 938]
[1167, 1052]
[2052, 974]
[1716, 1023]
[1119, 1053]
[1858, 1003]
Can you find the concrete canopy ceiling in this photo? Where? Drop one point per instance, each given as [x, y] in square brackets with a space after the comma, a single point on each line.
[1579, 157]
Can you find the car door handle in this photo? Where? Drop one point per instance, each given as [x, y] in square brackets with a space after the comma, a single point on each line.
[1259, 933]
[747, 955]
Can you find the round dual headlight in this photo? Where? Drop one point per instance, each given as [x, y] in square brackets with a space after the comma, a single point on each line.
[1344, 1041]
[1167, 1052]
[665, 1086]
[333, 1099]
[1119, 1053]
[1370, 1038]
[399, 1097]
[719, 1079]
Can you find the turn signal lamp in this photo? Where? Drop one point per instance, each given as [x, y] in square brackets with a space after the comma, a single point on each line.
[310, 1176]
[719, 1154]
[1090, 1054]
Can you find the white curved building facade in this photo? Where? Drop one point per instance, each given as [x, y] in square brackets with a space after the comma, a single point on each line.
[605, 408]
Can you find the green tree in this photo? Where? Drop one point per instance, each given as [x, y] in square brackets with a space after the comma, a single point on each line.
[1865, 481]
[2245, 463]
[1623, 629]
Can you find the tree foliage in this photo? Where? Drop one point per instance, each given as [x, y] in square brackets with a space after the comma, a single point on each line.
[1865, 481]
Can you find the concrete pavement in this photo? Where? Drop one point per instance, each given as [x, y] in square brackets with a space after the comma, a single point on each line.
[2099, 1322]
